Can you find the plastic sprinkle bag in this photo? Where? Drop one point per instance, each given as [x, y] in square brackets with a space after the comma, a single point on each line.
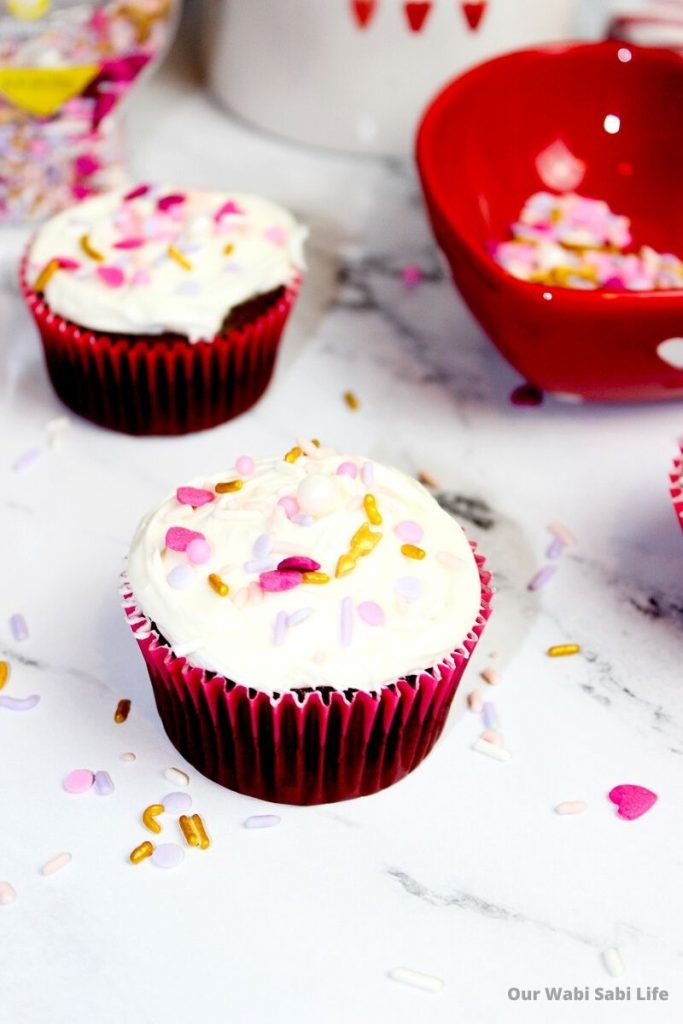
[65, 65]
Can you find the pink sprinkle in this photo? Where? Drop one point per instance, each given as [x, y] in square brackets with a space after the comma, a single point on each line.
[492, 736]
[274, 582]
[409, 531]
[230, 207]
[178, 538]
[141, 276]
[275, 235]
[475, 702]
[290, 505]
[195, 496]
[555, 548]
[86, 164]
[632, 801]
[371, 613]
[346, 621]
[563, 533]
[347, 469]
[141, 190]
[490, 676]
[245, 465]
[298, 563]
[412, 275]
[168, 202]
[78, 781]
[129, 243]
[198, 551]
[542, 577]
[112, 276]
[66, 263]
[280, 629]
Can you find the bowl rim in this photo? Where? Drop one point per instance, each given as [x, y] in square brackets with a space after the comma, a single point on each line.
[531, 290]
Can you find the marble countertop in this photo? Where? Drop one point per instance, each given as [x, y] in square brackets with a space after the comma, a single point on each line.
[462, 870]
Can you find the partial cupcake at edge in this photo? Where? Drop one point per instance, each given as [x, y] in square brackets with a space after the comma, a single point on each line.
[161, 310]
[305, 621]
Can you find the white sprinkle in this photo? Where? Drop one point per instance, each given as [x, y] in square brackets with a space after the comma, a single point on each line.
[259, 565]
[613, 962]
[26, 460]
[177, 777]
[56, 864]
[262, 821]
[128, 757]
[491, 750]
[56, 429]
[571, 807]
[425, 982]
[7, 894]
[490, 676]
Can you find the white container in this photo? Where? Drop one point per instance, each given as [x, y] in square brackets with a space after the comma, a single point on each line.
[308, 70]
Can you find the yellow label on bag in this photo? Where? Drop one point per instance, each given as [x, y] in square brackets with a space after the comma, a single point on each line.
[27, 10]
[42, 91]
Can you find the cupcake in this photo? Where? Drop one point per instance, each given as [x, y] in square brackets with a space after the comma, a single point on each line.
[161, 310]
[676, 480]
[305, 621]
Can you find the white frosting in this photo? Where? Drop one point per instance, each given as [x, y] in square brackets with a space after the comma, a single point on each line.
[144, 290]
[234, 635]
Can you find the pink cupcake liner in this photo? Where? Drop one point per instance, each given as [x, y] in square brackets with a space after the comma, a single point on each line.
[302, 747]
[159, 384]
[676, 489]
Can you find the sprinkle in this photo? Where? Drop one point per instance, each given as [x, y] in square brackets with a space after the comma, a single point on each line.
[541, 577]
[411, 551]
[364, 541]
[411, 275]
[19, 703]
[259, 565]
[245, 465]
[103, 784]
[56, 863]
[179, 257]
[492, 736]
[371, 510]
[230, 207]
[425, 982]
[177, 803]
[275, 582]
[194, 831]
[345, 565]
[128, 757]
[229, 249]
[556, 548]
[303, 520]
[293, 454]
[409, 531]
[166, 202]
[347, 469]
[368, 474]
[141, 852]
[351, 400]
[346, 621]
[613, 962]
[299, 616]
[218, 585]
[263, 545]
[276, 235]
[112, 276]
[177, 777]
[632, 801]
[90, 250]
[80, 780]
[136, 193]
[492, 750]
[198, 551]
[45, 276]
[141, 277]
[571, 807]
[262, 821]
[181, 577]
[229, 487]
[315, 577]
[563, 533]
[168, 855]
[408, 587]
[309, 448]
[490, 676]
[489, 715]
[290, 505]
[428, 479]
[371, 613]
[448, 559]
[8, 894]
[55, 429]
[563, 650]
[298, 563]
[18, 627]
[149, 817]
[129, 243]
[4, 673]
[280, 629]
[195, 496]
[26, 459]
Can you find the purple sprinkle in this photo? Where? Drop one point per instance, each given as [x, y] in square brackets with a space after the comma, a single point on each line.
[188, 288]
[259, 565]
[303, 519]
[556, 548]
[489, 715]
[17, 624]
[347, 469]
[368, 474]
[103, 783]
[280, 630]
[371, 613]
[263, 545]
[26, 460]
[408, 587]
[19, 703]
[177, 803]
[181, 577]
[409, 531]
[168, 855]
[542, 577]
[346, 621]
[299, 616]
[262, 821]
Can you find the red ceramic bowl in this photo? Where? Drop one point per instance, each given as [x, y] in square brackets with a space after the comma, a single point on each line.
[482, 148]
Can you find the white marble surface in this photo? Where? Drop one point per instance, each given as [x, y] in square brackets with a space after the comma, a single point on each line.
[462, 870]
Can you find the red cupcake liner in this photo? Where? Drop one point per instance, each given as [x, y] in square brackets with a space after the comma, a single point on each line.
[301, 747]
[676, 490]
[159, 384]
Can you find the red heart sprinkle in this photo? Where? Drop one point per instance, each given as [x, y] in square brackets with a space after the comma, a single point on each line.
[113, 276]
[632, 801]
[141, 190]
[298, 563]
[178, 537]
[195, 496]
[277, 581]
[166, 202]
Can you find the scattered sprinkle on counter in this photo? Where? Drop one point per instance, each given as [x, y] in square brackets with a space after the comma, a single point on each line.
[262, 821]
[122, 711]
[351, 400]
[416, 979]
[613, 962]
[571, 807]
[56, 863]
[18, 627]
[563, 650]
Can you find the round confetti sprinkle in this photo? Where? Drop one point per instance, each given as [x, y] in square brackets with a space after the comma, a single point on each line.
[409, 531]
[408, 587]
[80, 780]
[347, 469]
[177, 803]
[245, 465]
[168, 855]
[198, 551]
[128, 757]
[262, 821]
[181, 577]
[371, 613]
[7, 894]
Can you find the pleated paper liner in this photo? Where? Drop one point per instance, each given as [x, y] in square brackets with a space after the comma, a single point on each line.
[676, 478]
[301, 747]
[162, 384]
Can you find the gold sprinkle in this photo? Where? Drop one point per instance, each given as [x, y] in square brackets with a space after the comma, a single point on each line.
[562, 650]
[188, 829]
[229, 249]
[314, 577]
[351, 400]
[293, 454]
[364, 541]
[200, 830]
[411, 551]
[46, 275]
[315, 441]
[122, 711]
[229, 486]
[141, 852]
[371, 510]
[89, 250]
[4, 673]
[149, 816]
[345, 565]
[179, 257]
[217, 584]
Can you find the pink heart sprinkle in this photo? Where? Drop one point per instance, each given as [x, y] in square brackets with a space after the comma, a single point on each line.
[275, 582]
[226, 209]
[371, 613]
[166, 202]
[129, 243]
[141, 276]
[135, 193]
[347, 469]
[194, 496]
[276, 235]
[632, 801]
[298, 563]
[113, 276]
[178, 537]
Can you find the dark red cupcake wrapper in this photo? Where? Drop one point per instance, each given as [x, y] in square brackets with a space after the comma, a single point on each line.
[301, 747]
[676, 478]
[159, 384]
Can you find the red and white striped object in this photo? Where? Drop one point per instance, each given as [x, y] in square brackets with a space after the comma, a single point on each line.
[651, 24]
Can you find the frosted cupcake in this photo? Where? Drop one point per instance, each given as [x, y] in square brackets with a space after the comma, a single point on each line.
[305, 621]
[676, 480]
[161, 310]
